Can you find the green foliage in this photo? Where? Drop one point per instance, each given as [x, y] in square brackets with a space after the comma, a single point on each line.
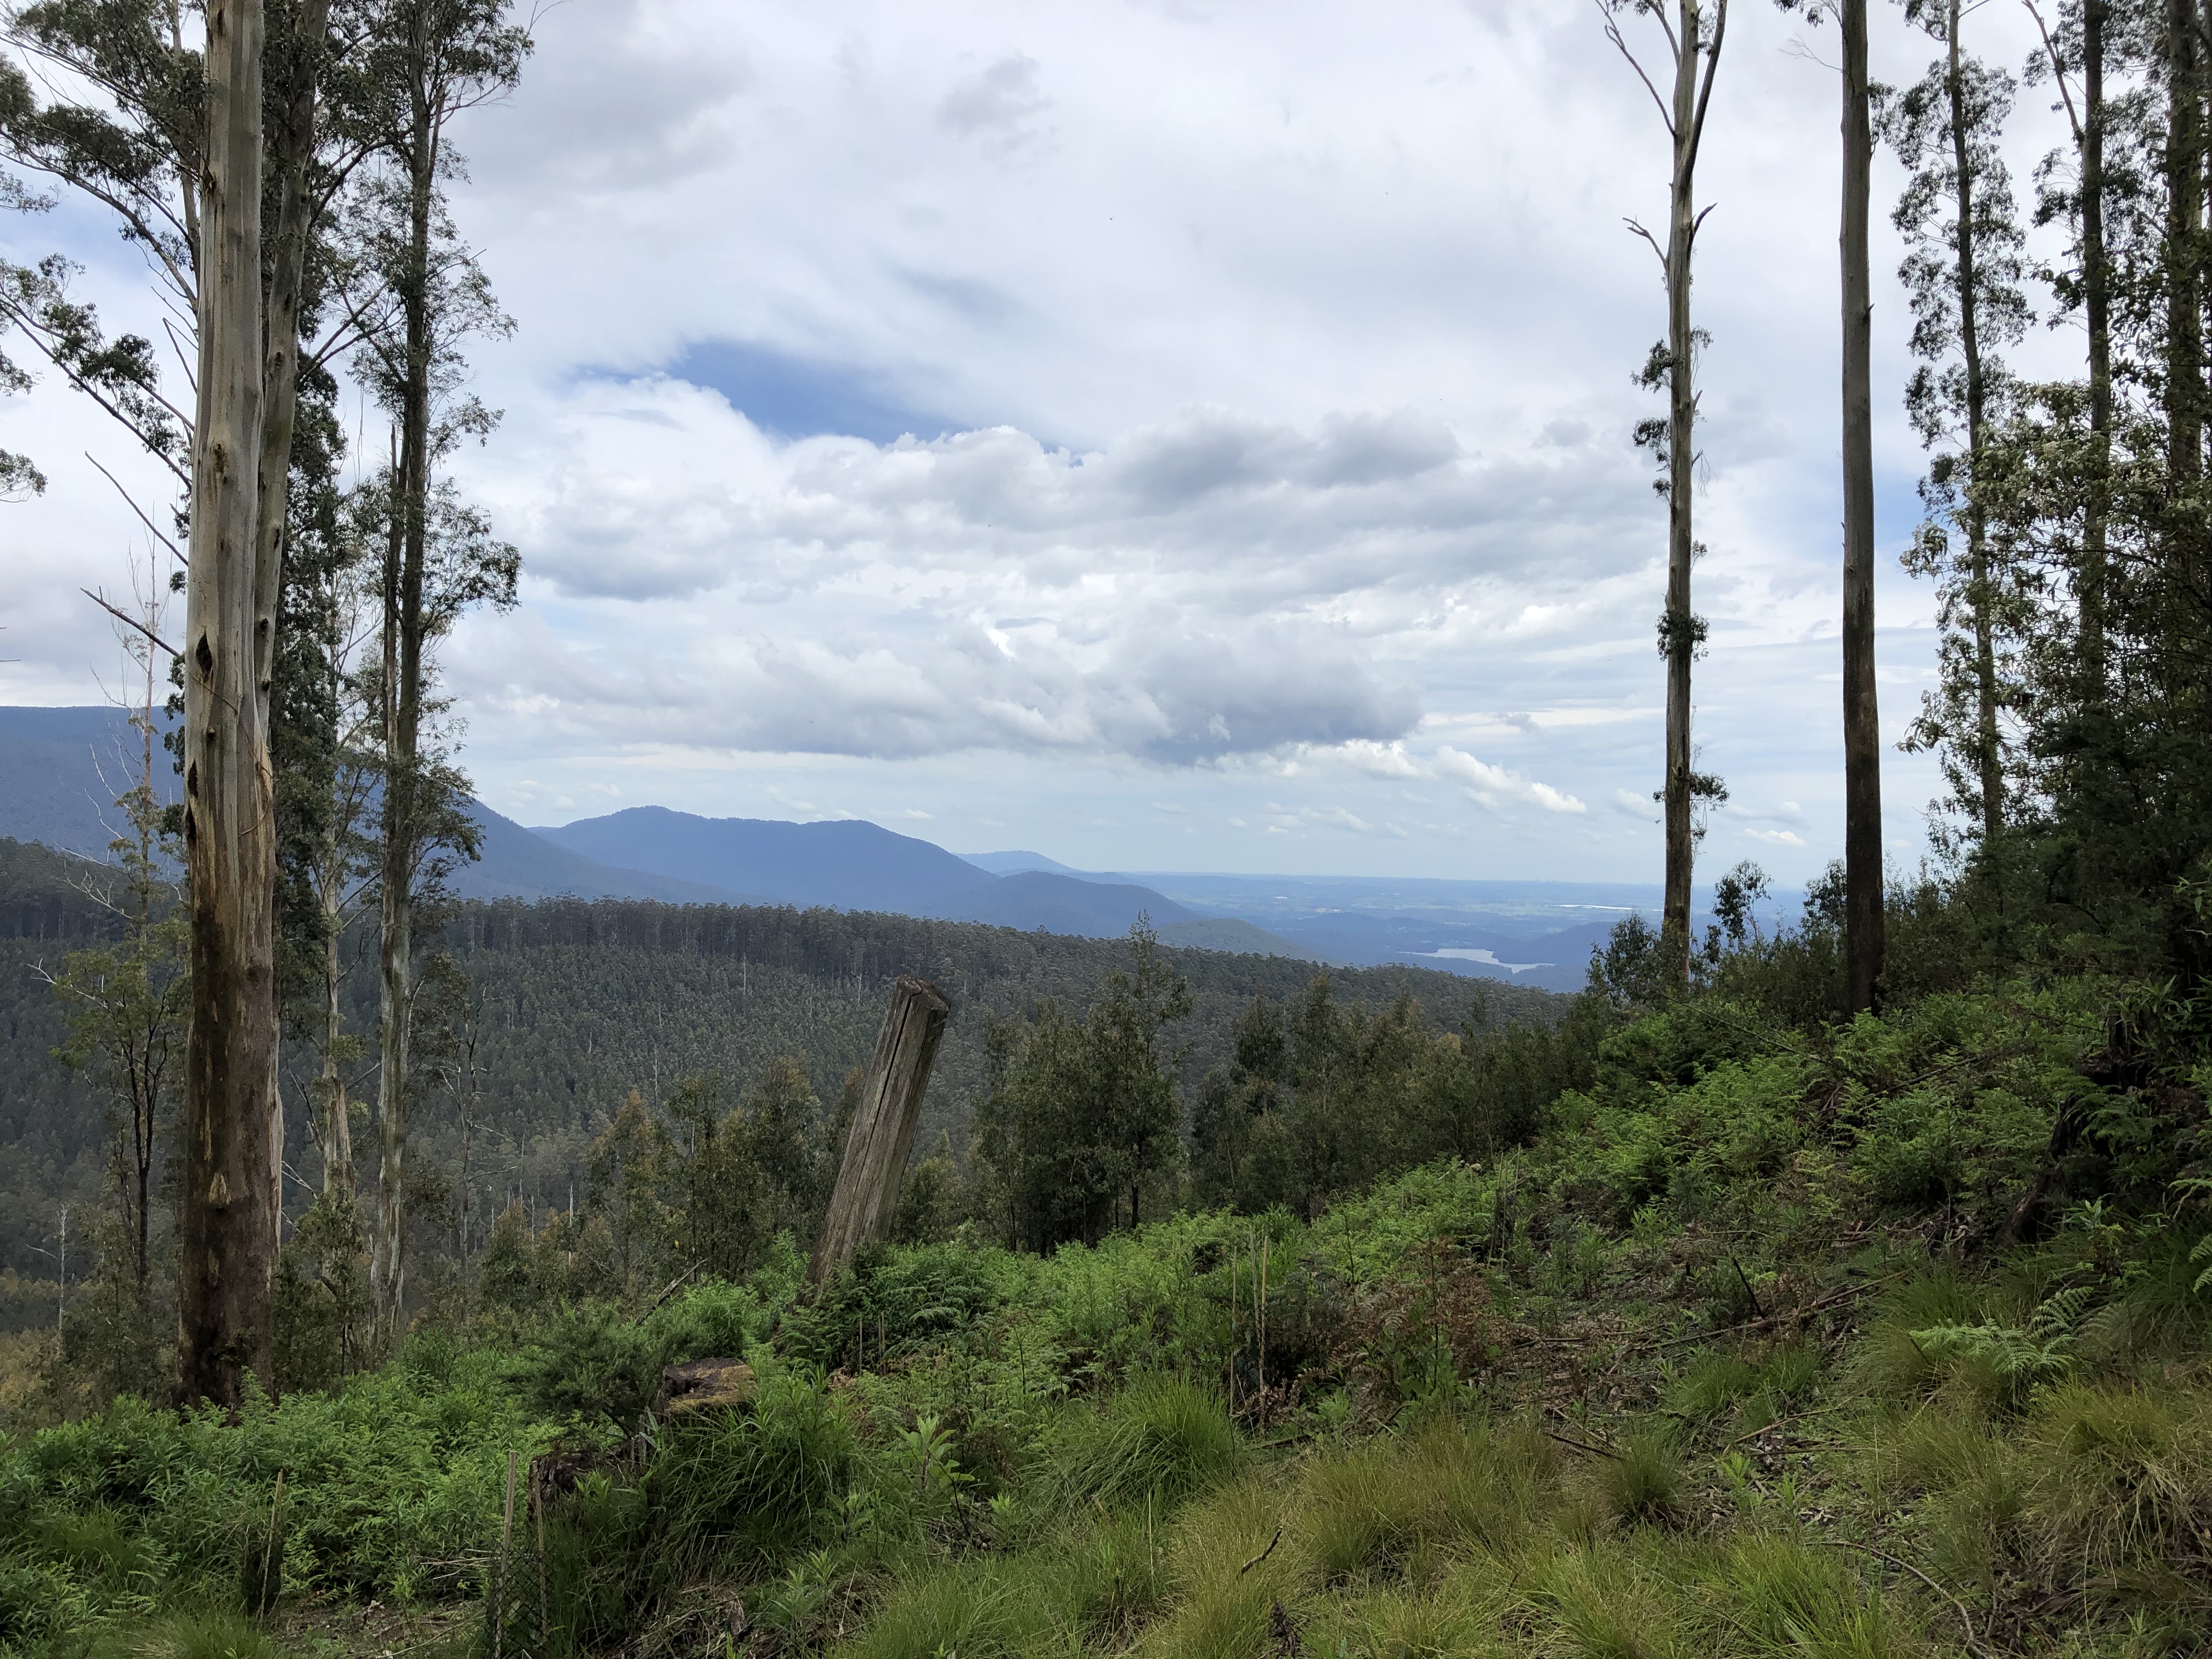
[1081, 1113]
[893, 1303]
[593, 1362]
[391, 1482]
[1336, 1097]
[1770, 1336]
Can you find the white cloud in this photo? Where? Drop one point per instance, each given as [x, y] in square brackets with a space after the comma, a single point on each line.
[1379, 760]
[1492, 784]
[1253, 437]
[1775, 837]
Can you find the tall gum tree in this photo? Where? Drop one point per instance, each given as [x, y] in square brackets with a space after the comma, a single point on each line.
[169, 122]
[1694, 40]
[227, 1221]
[1962, 272]
[1865, 928]
[2080, 50]
[432, 60]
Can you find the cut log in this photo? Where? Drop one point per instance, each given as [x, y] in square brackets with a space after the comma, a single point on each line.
[704, 1384]
[882, 1132]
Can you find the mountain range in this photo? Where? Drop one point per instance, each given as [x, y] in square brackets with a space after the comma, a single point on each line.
[61, 768]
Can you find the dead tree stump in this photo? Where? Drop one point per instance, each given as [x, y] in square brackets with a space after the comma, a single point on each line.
[882, 1132]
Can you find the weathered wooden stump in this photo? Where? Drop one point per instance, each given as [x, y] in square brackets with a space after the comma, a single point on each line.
[882, 1134]
[703, 1384]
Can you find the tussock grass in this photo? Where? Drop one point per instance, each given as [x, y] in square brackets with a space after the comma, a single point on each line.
[1711, 1384]
[1787, 1598]
[1222, 1606]
[1644, 1481]
[218, 1634]
[1598, 1603]
[1891, 1362]
[1161, 1438]
[2116, 1474]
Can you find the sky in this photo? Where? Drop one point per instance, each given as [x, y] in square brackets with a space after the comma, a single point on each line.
[1158, 433]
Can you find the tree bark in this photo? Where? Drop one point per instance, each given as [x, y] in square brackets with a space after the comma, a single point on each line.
[2096, 287]
[1864, 928]
[2184, 180]
[227, 1221]
[1686, 122]
[881, 1138]
[402, 687]
[289, 150]
[1987, 760]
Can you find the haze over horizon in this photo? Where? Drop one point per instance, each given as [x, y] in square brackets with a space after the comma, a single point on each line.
[1158, 437]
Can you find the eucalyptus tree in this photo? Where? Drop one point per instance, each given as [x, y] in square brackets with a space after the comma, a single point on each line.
[1693, 39]
[2079, 52]
[180, 135]
[2185, 240]
[1962, 272]
[127, 997]
[227, 1188]
[1864, 927]
[427, 62]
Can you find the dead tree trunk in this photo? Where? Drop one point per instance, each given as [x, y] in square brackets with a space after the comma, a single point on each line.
[882, 1135]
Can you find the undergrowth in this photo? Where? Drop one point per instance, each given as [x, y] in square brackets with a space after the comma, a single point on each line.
[1757, 1347]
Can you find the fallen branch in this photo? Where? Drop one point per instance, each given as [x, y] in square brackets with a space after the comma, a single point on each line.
[1262, 1555]
[1965, 1619]
[1777, 1317]
[677, 1283]
[1583, 1445]
[1793, 1417]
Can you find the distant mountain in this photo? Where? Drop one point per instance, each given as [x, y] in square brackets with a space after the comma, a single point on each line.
[521, 864]
[61, 770]
[846, 864]
[1228, 934]
[1013, 863]
[1061, 904]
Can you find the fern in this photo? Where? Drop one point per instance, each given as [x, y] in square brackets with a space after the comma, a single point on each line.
[2040, 1352]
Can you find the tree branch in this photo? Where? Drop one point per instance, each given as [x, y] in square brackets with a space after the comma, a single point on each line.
[2057, 69]
[125, 616]
[174, 551]
[1613, 33]
[1712, 63]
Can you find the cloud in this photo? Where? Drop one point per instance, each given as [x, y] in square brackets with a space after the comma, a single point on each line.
[608, 505]
[1209, 448]
[1492, 784]
[932, 686]
[1379, 760]
[1775, 837]
[999, 104]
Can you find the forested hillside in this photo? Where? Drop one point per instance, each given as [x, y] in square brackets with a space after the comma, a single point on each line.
[1829, 1285]
[572, 1005]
